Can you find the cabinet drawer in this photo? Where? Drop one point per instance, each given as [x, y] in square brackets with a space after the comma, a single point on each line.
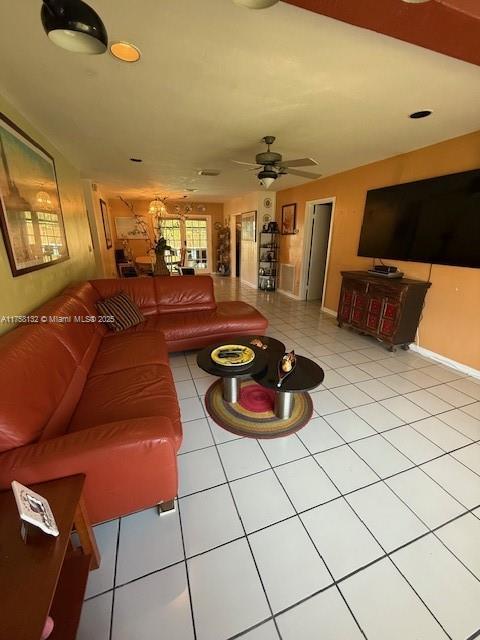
[387, 327]
[375, 306]
[360, 301]
[384, 291]
[390, 310]
[358, 316]
[359, 286]
[373, 321]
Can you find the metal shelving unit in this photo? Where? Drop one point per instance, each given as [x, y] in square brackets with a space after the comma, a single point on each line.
[268, 260]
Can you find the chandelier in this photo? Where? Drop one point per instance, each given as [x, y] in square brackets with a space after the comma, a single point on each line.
[157, 207]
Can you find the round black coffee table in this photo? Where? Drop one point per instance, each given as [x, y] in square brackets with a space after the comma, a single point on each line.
[306, 376]
[231, 376]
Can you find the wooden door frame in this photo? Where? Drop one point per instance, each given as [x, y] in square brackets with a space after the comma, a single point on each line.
[307, 238]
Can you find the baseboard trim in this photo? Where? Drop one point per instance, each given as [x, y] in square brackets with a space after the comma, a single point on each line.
[289, 294]
[329, 312]
[469, 371]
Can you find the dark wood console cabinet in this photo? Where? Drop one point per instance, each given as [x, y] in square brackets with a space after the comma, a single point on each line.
[387, 308]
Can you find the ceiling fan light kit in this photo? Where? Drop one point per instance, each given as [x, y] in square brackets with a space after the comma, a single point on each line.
[255, 4]
[272, 166]
[73, 25]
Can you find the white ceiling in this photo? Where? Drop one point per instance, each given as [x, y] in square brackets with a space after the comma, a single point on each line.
[214, 79]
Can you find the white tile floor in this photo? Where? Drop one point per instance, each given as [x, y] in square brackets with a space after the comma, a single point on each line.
[364, 524]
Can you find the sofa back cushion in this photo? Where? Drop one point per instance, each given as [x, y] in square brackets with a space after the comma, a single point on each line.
[140, 290]
[43, 368]
[162, 294]
[184, 293]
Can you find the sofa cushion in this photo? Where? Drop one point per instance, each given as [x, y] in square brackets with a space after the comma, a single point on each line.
[35, 372]
[130, 349]
[230, 318]
[162, 294]
[121, 311]
[137, 392]
[140, 290]
[184, 294]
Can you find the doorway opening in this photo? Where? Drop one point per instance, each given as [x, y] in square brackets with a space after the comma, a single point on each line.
[238, 244]
[318, 229]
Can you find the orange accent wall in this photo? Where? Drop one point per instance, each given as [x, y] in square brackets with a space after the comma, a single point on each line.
[213, 210]
[451, 318]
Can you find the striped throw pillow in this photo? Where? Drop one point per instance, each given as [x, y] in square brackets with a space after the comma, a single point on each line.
[123, 311]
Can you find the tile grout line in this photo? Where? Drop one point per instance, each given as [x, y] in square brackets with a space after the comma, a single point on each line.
[246, 536]
[297, 515]
[187, 575]
[386, 552]
[112, 610]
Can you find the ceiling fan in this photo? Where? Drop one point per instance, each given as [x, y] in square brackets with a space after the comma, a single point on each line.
[272, 166]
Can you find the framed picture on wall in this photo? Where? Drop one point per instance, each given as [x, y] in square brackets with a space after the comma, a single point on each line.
[31, 215]
[106, 224]
[132, 228]
[249, 226]
[289, 218]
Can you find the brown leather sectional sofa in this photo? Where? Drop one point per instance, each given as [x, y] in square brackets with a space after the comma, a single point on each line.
[78, 398]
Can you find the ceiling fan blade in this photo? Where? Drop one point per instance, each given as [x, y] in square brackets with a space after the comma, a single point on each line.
[303, 174]
[248, 164]
[301, 162]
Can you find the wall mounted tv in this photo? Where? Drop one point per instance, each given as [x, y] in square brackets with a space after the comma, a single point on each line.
[435, 220]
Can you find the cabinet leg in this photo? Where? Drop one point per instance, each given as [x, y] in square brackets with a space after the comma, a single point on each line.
[405, 347]
[392, 348]
[340, 324]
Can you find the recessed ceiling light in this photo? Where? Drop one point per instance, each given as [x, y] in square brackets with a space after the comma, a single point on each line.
[125, 51]
[423, 113]
[191, 190]
[136, 160]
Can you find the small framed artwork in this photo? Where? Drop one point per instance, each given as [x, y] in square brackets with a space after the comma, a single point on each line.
[31, 217]
[106, 224]
[289, 217]
[249, 226]
[132, 228]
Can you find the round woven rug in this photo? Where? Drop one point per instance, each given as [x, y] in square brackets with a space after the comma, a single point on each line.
[252, 416]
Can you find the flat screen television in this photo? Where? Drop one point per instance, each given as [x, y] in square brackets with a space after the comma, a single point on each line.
[435, 221]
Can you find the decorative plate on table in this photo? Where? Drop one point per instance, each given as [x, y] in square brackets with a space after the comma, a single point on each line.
[232, 355]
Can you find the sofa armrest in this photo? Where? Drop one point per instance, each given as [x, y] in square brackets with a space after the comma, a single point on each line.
[128, 465]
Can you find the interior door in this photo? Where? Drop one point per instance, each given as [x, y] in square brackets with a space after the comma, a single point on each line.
[320, 232]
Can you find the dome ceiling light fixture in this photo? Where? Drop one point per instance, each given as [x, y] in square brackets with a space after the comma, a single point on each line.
[255, 4]
[416, 1]
[267, 176]
[73, 25]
